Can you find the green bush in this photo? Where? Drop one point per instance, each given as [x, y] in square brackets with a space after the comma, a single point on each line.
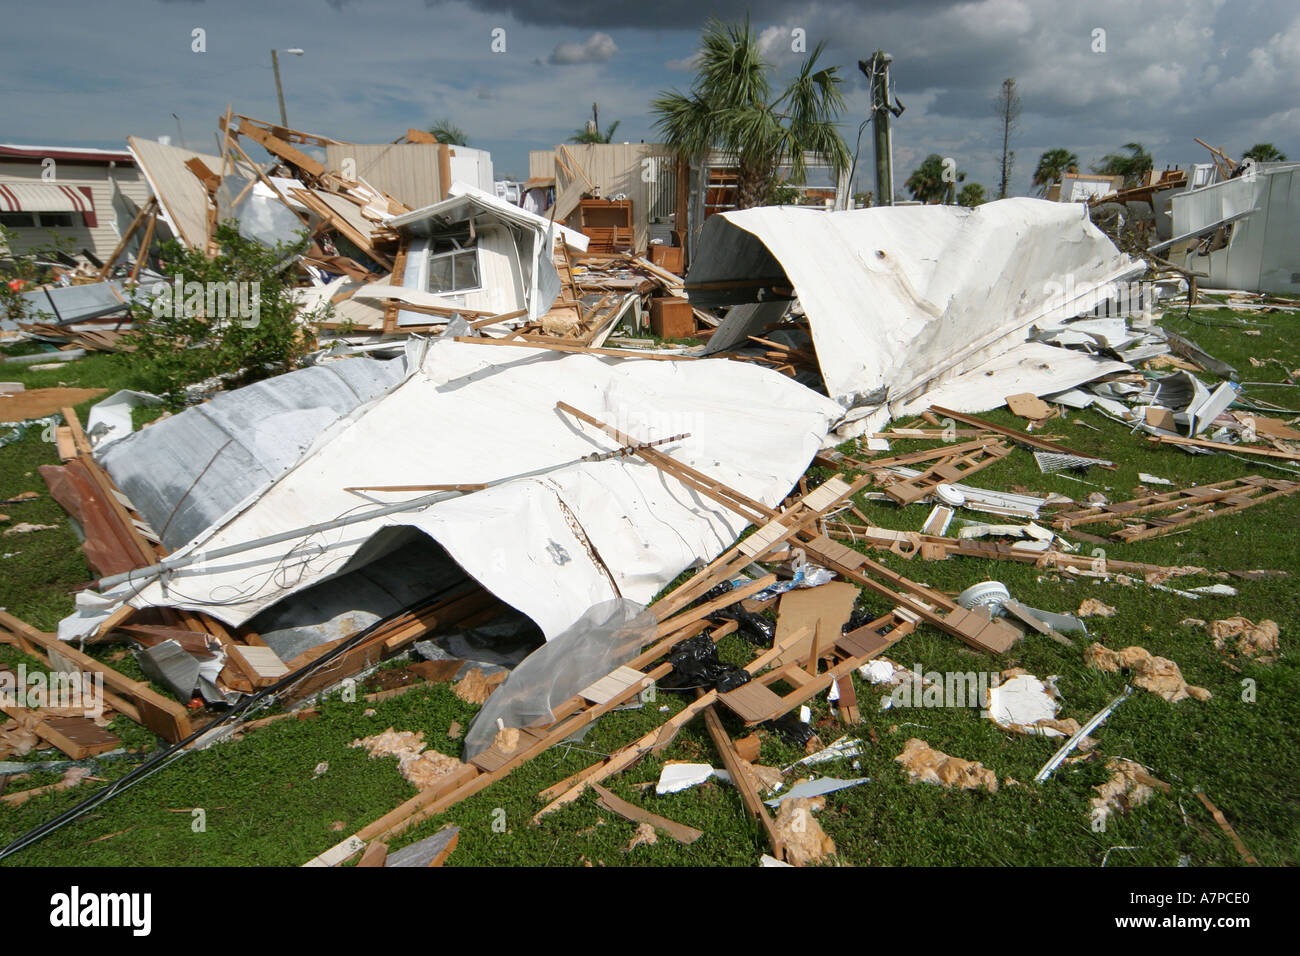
[231, 315]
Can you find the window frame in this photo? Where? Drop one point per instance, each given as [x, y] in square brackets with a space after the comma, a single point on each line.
[452, 253]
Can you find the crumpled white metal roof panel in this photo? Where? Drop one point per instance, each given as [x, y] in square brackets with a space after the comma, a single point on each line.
[899, 298]
[553, 544]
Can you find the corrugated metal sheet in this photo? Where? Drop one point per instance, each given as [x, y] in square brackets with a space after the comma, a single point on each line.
[184, 473]
[551, 544]
[541, 164]
[406, 171]
[181, 195]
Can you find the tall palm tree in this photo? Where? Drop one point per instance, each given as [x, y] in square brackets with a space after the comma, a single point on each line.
[445, 131]
[1052, 165]
[927, 183]
[972, 194]
[1264, 153]
[1132, 167]
[731, 107]
[589, 135]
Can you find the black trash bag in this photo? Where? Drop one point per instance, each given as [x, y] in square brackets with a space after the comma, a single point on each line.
[717, 592]
[695, 664]
[794, 731]
[862, 614]
[754, 628]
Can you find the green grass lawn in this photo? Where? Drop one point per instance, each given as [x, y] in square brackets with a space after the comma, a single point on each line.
[264, 804]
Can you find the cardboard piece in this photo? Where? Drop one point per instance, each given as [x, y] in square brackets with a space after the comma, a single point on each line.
[823, 610]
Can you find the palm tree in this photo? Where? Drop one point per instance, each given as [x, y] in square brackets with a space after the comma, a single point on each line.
[1264, 153]
[927, 182]
[972, 194]
[588, 134]
[445, 131]
[1132, 167]
[1052, 165]
[731, 107]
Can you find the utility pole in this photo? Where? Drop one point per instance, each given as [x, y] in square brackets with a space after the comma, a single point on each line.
[876, 71]
[279, 90]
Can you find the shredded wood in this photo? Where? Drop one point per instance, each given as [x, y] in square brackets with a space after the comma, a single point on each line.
[506, 740]
[644, 835]
[427, 769]
[769, 778]
[473, 688]
[392, 743]
[1122, 791]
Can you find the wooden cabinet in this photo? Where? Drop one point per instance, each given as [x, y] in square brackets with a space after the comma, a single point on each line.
[607, 223]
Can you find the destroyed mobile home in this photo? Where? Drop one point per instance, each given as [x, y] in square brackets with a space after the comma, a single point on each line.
[468, 472]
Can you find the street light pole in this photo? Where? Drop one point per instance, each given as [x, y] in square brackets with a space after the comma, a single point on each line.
[279, 90]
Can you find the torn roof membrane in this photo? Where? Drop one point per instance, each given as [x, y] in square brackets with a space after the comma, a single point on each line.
[901, 298]
[551, 544]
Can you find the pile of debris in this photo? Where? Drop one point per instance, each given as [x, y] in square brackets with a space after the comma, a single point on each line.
[521, 510]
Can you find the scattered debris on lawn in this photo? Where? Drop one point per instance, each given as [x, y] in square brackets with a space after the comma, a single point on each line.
[1092, 607]
[1226, 827]
[927, 765]
[1159, 675]
[1024, 704]
[1130, 785]
[800, 832]
[1257, 641]
[284, 540]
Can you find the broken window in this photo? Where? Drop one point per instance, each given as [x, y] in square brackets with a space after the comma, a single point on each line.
[455, 271]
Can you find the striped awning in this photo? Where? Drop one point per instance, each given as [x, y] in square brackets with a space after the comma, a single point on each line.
[47, 197]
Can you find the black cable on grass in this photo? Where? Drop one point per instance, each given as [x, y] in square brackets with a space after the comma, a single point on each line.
[173, 753]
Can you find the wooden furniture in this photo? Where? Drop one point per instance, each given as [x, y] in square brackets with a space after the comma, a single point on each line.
[672, 318]
[607, 223]
[667, 257]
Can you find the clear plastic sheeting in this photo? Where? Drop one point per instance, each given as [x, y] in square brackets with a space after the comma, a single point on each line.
[607, 636]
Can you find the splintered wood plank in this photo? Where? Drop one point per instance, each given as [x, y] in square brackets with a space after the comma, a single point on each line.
[947, 471]
[78, 737]
[629, 811]
[744, 780]
[63, 442]
[1182, 507]
[753, 702]
[494, 758]
[847, 704]
[376, 854]
[763, 538]
[827, 493]
[261, 665]
[613, 684]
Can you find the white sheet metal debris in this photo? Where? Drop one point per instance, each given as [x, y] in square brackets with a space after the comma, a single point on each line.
[900, 299]
[552, 545]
